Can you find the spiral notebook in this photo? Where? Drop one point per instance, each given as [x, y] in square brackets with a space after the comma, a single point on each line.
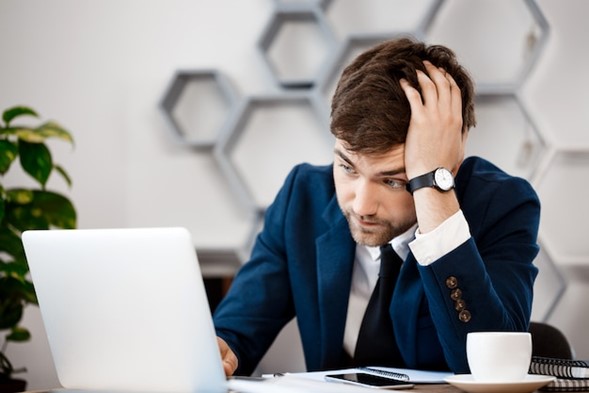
[571, 375]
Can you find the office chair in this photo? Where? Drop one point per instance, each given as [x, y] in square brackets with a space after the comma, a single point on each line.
[549, 341]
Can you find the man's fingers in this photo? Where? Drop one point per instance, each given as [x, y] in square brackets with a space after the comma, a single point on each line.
[441, 83]
[230, 364]
[228, 357]
[429, 91]
[412, 94]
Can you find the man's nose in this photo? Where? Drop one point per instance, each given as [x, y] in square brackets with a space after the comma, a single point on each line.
[365, 200]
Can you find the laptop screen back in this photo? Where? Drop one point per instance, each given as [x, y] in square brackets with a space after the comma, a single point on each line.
[125, 309]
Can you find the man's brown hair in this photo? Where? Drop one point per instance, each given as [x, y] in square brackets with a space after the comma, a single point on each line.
[369, 110]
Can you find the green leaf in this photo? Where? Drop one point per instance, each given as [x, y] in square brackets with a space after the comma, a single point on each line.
[21, 213]
[63, 174]
[29, 295]
[5, 132]
[19, 269]
[10, 313]
[14, 112]
[11, 244]
[26, 134]
[8, 153]
[23, 217]
[20, 196]
[39, 210]
[19, 334]
[55, 208]
[11, 302]
[36, 160]
[47, 130]
[52, 129]
[2, 209]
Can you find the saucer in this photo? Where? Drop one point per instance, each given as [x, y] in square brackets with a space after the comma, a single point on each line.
[530, 383]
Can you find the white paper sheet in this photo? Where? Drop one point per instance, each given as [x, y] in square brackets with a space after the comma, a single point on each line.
[415, 376]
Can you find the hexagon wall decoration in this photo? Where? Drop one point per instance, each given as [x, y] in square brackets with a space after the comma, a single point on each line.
[255, 171]
[196, 104]
[295, 45]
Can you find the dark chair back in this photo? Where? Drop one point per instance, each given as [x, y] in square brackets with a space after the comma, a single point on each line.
[548, 341]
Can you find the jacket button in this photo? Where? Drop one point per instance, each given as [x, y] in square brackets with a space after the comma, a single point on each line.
[451, 282]
[456, 294]
[464, 316]
[459, 305]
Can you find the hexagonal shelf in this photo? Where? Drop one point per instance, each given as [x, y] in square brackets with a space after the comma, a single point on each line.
[506, 135]
[295, 45]
[196, 105]
[269, 135]
[506, 38]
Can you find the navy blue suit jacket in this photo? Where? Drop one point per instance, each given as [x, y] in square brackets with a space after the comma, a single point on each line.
[301, 265]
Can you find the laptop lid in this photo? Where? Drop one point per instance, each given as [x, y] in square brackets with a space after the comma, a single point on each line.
[125, 309]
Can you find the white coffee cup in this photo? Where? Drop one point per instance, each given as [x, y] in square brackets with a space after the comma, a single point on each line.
[499, 356]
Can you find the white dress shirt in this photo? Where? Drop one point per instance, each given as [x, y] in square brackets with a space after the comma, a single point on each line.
[426, 248]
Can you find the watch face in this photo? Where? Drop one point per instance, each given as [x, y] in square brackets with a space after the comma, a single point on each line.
[444, 179]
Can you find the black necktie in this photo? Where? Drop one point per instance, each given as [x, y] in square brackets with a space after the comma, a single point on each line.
[376, 341]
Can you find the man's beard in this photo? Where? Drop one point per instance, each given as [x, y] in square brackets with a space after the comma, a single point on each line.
[379, 231]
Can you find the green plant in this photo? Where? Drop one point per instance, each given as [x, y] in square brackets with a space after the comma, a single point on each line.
[25, 208]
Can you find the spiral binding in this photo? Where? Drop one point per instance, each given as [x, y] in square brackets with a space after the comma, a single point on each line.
[567, 380]
[388, 374]
[563, 368]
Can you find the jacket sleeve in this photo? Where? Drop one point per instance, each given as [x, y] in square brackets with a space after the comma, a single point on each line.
[487, 282]
[259, 302]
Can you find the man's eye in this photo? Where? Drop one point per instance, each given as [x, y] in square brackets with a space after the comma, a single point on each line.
[346, 168]
[395, 183]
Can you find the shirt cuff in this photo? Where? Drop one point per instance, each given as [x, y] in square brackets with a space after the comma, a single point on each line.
[431, 246]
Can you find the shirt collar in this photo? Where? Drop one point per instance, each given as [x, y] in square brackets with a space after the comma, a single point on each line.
[400, 244]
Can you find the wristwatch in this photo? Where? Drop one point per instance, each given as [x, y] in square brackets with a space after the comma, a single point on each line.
[440, 179]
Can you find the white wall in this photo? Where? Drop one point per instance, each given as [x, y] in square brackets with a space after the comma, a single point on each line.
[101, 68]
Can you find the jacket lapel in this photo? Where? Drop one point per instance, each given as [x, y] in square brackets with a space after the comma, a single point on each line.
[335, 260]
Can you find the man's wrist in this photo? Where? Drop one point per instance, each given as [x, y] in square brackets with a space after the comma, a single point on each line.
[440, 178]
[451, 233]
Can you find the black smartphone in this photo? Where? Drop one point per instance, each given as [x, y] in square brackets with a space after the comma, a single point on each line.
[369, 380]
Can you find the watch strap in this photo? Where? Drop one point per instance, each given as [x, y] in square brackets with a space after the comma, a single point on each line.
[425, 180]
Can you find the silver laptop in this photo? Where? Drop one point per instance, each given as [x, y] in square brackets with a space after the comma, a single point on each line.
[125, 310]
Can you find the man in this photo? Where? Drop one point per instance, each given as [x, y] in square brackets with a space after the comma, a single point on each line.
[400, 115]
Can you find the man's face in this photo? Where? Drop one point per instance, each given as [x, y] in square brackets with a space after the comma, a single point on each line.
[371, 194]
